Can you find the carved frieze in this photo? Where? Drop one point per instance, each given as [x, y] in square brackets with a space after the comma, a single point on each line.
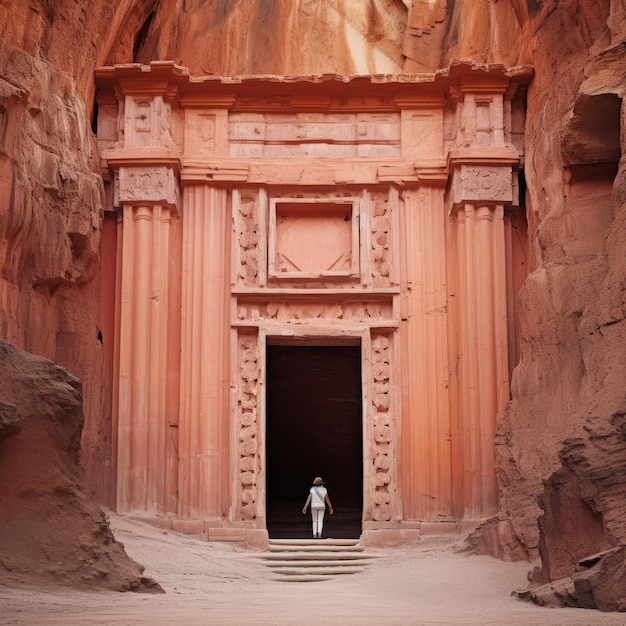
[247, 224]
[380, 226]
[248, 441]
[288, 312]
[382, 440]
[314, 134]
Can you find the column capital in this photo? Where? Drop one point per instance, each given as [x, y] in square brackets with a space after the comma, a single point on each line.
[147, 185]
[484, 185]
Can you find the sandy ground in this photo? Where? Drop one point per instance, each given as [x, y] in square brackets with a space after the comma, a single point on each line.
[216, 583]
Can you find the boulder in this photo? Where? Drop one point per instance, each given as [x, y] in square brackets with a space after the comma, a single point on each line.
[51, 531]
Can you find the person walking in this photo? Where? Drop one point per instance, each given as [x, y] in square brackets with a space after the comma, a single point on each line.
[318, 498]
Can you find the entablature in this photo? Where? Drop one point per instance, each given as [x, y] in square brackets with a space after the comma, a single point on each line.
[402, 129]
[327, 172]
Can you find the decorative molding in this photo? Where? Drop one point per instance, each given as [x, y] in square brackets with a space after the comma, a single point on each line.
[382, 444]
[298, 312]
[247, 234]
[248, 440]
[380, 238]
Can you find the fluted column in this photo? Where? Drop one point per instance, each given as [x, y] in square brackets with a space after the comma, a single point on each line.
[482, 349]
[142, 367]
[425, 403]
[481, 164]
[204, 437]
[148, 197]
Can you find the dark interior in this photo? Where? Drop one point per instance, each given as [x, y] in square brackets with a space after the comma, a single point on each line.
[314, 428]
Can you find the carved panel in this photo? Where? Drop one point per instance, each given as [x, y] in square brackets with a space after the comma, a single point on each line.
[380, 238]
[247, 427]
[205, 133]
[247, 223]
[152, 185]
[313, 238]
[422, 134]
[382, 432]
[481, 183]
[148, 123]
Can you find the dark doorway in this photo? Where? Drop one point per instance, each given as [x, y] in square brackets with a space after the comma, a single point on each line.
[314, 428]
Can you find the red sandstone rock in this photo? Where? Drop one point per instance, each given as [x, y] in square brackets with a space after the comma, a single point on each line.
[569, 385]
[50, 530]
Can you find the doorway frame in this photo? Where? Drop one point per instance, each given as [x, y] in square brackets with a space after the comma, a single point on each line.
[319, 335]
[356, 439]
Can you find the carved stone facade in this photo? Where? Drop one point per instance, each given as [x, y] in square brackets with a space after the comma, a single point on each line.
[320, 209]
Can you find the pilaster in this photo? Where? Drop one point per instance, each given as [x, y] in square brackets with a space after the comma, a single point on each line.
[425, 405]
[204, 388]
[144, 311]
[481, 185]
[144, 160]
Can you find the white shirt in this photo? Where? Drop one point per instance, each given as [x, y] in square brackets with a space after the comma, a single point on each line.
[318, 494]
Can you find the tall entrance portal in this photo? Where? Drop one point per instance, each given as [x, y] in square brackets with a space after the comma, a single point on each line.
[314, 417]
[260, 221]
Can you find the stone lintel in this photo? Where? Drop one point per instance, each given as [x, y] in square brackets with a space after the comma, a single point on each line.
[301, 309]
[344, 295]
[487, 155]
[143, 157]
[316, 172]
[294, 328]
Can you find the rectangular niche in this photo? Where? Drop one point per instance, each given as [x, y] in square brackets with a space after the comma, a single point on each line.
[313, 238]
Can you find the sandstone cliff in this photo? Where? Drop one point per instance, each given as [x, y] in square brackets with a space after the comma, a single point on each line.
[563, 432]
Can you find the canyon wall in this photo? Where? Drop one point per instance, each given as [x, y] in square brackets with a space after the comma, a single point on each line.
[561, 449]
[563, 431]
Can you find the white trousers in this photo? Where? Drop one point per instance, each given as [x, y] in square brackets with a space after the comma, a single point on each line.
[318, 521]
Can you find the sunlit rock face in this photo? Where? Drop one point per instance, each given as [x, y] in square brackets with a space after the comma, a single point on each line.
[565, 418]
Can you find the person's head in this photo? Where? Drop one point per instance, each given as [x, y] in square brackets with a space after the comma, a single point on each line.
[318, 481]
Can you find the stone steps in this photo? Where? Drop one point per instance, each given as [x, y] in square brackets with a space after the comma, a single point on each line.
[304, 560]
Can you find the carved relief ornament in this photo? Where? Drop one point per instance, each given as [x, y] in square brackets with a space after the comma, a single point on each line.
[490, 184]
[148, 185]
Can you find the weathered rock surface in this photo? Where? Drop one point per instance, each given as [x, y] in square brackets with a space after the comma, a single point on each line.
[51, 202]
[597, 583]
[561, 451]
[50, 531]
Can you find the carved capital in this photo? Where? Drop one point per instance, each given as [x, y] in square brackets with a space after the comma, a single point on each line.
[148, 185]
[481, 184]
